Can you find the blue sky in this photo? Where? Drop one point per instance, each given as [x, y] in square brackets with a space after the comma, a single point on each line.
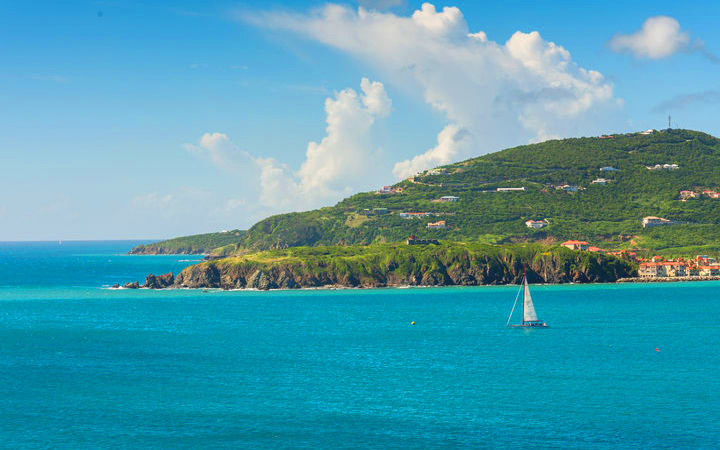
[125, 119]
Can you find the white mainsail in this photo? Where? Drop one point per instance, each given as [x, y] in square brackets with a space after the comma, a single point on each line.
[528, 308]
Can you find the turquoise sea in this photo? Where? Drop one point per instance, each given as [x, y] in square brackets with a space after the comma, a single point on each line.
[622, 366]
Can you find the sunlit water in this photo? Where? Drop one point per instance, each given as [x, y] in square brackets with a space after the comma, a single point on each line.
[87, 367]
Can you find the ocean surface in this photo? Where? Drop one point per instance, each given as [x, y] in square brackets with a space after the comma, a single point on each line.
[82, 366]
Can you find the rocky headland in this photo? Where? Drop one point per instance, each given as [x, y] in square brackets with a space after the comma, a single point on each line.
[444, 265]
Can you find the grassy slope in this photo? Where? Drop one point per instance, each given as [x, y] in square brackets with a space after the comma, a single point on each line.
[599, 214]
[195, 244]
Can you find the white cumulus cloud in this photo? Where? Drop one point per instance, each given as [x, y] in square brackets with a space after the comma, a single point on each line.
[499, 94]
[343, 162]
[219, 149]
[659, 37]
[450, 144]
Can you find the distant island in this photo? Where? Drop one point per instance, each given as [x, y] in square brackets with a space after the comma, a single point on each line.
[623, 198]
[197, 244]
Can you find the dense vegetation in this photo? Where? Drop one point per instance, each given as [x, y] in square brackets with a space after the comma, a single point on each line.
[189, 245]
[605, 215]
[450, 263]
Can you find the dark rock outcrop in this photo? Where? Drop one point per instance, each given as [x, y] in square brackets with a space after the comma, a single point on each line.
[159, 281]
[132, 285]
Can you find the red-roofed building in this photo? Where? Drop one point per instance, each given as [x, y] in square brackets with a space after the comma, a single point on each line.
[709, 271]
[575, 245]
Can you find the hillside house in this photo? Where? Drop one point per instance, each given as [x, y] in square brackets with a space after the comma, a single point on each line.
[601, 181]
[594, 249]
[688, 194]
[414, 215]
[439, 225]
[568, 188]
[448, 198]
[711, 194]
[663, 167]
[608, 169]
[646, 132]
[535, 223]
[652, 221]
[575, 245]
[389, 190]
[511, 189]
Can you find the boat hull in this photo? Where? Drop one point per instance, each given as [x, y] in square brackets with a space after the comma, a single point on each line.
[530, 325]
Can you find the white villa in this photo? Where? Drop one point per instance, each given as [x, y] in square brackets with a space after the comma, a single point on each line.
[535, 223]
[652, 221]
[663, 167]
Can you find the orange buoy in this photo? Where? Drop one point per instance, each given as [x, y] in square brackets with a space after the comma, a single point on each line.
[412, 323]
[657, 349]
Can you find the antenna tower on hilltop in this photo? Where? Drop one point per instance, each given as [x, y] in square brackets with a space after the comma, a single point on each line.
[669, 126]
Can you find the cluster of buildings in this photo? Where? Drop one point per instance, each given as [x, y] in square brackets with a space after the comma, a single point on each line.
[585, 246]
[659, 267]
[684, 195]
[439, 225]
[415, 215]
[663, 167]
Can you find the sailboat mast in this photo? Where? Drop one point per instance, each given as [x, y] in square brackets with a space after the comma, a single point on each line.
[523, 289]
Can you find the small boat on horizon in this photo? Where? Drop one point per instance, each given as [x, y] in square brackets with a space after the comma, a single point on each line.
[529, 316]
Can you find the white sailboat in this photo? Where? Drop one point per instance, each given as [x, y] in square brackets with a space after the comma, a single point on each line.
[529, 316]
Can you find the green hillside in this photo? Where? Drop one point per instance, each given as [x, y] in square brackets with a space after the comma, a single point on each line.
[605, 215]
[190, 245]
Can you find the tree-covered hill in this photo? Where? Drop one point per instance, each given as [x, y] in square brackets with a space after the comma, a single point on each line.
[190, 245]
[607, 215]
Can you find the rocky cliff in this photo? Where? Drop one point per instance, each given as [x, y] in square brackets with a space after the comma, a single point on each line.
[436, 269]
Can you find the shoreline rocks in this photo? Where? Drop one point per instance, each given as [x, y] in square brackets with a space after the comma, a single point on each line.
[159, 281]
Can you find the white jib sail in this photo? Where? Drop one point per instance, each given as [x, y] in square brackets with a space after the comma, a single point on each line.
[528, 308]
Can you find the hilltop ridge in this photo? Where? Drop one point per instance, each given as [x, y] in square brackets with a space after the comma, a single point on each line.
[597, 189]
